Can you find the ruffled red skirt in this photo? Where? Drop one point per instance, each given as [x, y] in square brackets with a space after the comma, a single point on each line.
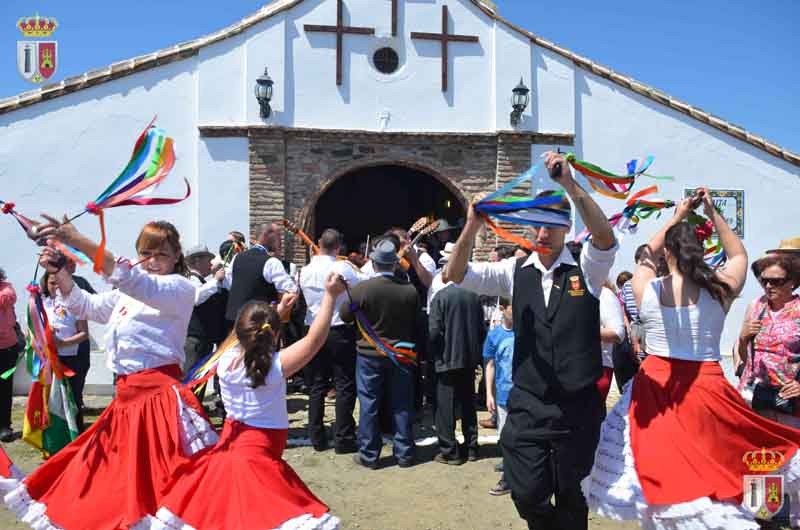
[690, 430]
[241, 484]
[115, 473]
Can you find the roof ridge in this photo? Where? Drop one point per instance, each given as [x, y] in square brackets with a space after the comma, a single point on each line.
[190, 48]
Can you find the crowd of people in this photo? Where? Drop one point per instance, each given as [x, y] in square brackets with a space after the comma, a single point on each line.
[538, 337]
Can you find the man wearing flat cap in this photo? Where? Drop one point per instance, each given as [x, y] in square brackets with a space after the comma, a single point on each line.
[207, 325]
[390, 305]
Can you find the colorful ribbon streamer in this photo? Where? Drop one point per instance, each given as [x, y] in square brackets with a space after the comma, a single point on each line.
[713, 253]
[152, 159]
[401, 354]
[609, 184]
[530, 211]
[636, 209]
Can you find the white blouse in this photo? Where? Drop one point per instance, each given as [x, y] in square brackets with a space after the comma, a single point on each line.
[62, 322]
[263, 407]
[147, 316]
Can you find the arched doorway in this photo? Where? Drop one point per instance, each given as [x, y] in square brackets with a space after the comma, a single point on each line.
[370, 200]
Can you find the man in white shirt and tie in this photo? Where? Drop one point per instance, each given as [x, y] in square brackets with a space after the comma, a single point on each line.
[337, 357]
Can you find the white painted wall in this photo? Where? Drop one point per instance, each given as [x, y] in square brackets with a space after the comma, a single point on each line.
[223, 189]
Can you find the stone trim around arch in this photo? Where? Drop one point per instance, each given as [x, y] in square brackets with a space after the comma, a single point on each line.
[291, 168]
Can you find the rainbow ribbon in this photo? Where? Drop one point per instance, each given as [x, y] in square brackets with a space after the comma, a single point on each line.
[42, 345]
[152, 159]
[527, 211]
[401, 354]
[636, 209]
[205, 368]
[609, 184]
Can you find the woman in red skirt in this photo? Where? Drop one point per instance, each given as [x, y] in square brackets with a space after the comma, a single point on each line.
[260, 490]
[674, 451]
[113, 475]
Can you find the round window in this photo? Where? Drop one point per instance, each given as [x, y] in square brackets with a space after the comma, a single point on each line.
[386, 60]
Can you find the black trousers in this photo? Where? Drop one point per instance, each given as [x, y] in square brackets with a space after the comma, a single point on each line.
[8, 358]
[80, 365]
[536, 469]
[456, 389]
[336, 359]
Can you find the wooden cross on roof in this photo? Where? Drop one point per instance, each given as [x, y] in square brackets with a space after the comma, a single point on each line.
[445, 38]
[340, 30]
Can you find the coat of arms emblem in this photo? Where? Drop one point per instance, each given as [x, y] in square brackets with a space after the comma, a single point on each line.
[37, 60]
[763, 494]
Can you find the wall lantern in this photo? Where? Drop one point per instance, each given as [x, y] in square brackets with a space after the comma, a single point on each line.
[519, 101]
[264, 93]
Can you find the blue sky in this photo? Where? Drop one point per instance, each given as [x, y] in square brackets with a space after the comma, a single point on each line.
[735, 58]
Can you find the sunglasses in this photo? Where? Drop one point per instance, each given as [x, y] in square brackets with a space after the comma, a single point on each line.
[775, 282]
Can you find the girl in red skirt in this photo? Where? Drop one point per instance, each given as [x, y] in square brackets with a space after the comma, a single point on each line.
[672, 453]
[260, 490]
[113, 475]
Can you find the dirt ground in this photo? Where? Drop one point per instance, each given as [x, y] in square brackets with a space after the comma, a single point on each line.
[427, 496]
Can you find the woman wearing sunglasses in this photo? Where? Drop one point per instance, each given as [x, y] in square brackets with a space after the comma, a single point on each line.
[769, 343]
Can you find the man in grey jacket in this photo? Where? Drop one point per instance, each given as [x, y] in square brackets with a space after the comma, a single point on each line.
[457, 331]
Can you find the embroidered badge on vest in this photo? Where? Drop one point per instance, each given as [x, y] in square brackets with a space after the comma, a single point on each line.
[575, 286]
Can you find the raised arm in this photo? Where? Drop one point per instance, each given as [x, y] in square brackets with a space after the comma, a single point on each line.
[456, 267]
[296, 356]
[85, 306]
[594, 218]
[734, 273]
[646, 269]
[66, 232]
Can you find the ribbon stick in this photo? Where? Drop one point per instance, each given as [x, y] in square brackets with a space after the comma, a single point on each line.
[152, 159]
[44, 342]
[609, 184]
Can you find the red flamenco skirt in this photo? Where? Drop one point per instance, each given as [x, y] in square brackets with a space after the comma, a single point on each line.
[113, 475]
[260, 491]
[672, 451]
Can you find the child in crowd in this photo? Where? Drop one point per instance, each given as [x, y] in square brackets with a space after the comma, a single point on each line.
[498, 355]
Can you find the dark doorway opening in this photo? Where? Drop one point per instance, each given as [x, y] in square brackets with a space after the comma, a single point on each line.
[369, 201]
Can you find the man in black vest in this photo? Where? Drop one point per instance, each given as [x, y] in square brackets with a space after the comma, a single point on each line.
[256, 275]
[554, 409]
[207, 325]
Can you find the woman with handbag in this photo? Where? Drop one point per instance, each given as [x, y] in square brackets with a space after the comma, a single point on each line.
[11, 342]
[769, 343]
[676, 449]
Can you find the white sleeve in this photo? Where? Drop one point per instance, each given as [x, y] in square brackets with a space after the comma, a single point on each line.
[204, 291]
[95, 307]
[351, 274]
[596, 265]
[490, 279]
[611, 313]
[426, 261]
[170, 293]
[275, 274]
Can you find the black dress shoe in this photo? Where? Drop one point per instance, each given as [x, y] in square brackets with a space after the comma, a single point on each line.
[451, 461]
[321, 446]
[346, 449]
[6, 435]
[358, 460]
[472, 454]
[406, 463]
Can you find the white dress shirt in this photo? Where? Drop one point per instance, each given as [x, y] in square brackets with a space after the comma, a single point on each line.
[148, 317]
[273, 273]
[497, 279]
[206, 290]
[62, 322]
[437, 284]
[611, 318]
[312, 281]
